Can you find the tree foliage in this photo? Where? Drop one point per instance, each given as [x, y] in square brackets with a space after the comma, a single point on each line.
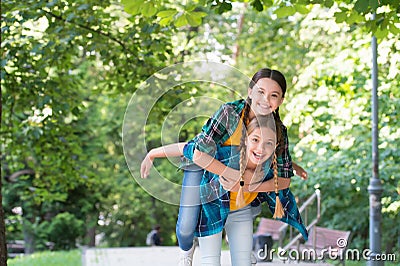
[356, 13]
[69, 69]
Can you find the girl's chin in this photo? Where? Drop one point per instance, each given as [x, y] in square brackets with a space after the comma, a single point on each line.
[254, 163]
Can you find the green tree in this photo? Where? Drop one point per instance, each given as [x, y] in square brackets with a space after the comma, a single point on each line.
[70, 67]
[354, 12]
[49, 51]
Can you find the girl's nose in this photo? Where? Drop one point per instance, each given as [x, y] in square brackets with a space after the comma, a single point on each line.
[267, 98]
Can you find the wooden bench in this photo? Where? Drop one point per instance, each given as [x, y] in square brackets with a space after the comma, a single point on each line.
[275, 228]
[15, 248]
[324, 243]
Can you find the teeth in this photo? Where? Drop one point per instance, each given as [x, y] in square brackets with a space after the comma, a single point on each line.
[258, 156]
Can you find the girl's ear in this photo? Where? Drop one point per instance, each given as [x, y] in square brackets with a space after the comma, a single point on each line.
[249, 90]
[282, 99]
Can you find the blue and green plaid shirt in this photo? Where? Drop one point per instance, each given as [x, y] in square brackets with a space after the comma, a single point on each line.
[214, 198]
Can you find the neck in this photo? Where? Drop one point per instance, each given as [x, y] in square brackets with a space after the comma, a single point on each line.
[251, 166]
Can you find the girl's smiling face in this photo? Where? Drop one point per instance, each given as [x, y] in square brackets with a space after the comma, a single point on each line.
[266, 96]
[260, 145]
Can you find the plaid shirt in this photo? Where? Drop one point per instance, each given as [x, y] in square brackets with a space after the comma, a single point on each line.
[214, 198]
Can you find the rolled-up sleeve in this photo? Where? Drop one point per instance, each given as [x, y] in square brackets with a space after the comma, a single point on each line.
[284, 160]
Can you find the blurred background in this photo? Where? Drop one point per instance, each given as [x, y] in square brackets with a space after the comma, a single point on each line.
[69, 69]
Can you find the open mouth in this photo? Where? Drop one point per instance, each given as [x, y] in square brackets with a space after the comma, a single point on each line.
[258, 156]
[265, 108]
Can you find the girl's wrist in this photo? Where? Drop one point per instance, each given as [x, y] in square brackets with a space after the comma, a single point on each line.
[150, 155]
[235, 174]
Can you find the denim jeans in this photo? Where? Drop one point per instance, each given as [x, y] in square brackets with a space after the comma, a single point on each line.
[239, 229]
[189, 206]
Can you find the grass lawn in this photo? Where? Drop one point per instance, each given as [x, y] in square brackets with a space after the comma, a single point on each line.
[47, 258]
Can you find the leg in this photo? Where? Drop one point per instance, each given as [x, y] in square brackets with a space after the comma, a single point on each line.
[239, 228]
[210, 249]
[189, 207]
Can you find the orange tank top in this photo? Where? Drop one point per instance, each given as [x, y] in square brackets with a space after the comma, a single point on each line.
[234, 140]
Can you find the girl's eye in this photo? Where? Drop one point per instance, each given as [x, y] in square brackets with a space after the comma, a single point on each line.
[270, 143]
[254, 140]
[260, 91]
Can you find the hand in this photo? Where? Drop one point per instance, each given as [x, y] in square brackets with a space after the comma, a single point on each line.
[299, 171]
[232, 183]
[229, 184]
[146, 165]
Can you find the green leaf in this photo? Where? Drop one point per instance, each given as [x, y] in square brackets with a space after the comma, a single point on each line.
[181, 21]
[83, 7]
[70, 17]
[200, 14]
[257, 5]
[3, 63]
[190, 7]
[302, 9]
[193, 19]
[361, 6]
[393, 29]
[51, 4]
[268, 3]
[167, 13]
[381, 33]
[328, 3]
[165, 21]
[341, 16]
[285, 11]
[354, 18]
[132, 6]
[373, 4]
[148, 9]
[224, 7]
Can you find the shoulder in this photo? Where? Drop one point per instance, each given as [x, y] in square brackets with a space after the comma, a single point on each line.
[237, 105]
[233, 108]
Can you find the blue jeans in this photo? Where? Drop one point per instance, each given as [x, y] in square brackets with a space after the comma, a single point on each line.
[189, 206]
[239, 229]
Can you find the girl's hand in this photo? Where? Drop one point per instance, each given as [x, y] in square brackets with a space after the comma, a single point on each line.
[232, 182]
[146, 165]
[229, 183]
[299, 171]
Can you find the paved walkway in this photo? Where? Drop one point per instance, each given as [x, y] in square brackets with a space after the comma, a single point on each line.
[153, 256]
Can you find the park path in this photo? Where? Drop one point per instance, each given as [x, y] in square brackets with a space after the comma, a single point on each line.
[154, 256]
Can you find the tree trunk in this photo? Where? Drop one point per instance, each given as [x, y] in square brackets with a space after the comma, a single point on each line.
[3, 246]
[91, 236]
[236, 48]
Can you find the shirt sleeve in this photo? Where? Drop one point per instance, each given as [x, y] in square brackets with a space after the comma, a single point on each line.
[284, 160]
[214, 132]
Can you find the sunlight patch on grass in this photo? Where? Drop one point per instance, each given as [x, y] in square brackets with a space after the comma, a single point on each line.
[54, 258]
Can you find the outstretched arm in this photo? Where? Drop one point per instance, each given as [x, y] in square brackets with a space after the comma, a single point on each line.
[209, 163]
[171, 150]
